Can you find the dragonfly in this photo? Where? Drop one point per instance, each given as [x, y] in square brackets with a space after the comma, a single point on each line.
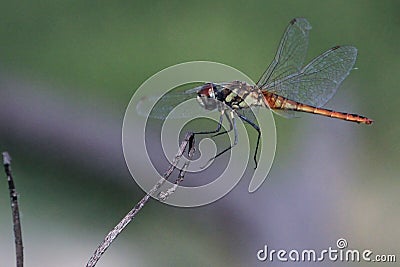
[286, 87]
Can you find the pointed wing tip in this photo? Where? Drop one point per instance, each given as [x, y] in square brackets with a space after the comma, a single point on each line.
[346, 47]
[302, 22]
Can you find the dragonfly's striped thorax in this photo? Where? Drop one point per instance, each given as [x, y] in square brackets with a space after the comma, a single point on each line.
[236, 95]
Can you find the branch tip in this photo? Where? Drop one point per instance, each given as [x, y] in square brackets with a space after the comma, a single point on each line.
[6, 158]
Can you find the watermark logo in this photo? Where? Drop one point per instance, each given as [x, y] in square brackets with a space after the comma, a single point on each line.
[340, 253]
[157, 98]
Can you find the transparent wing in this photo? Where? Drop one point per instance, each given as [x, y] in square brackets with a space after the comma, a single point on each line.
[160, 108]
[318, 81]
[291, 52]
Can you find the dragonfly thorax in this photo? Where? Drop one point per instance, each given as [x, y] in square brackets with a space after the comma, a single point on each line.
[235, 95]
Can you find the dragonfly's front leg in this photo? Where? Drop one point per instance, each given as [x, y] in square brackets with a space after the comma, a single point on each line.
[221, 117]
[230, 126]
[232, 121]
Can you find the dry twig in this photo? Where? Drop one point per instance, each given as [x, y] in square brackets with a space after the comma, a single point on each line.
[19, 249]
[112, 235]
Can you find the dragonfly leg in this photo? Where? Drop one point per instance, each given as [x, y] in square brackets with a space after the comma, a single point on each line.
[255, 126]
[221, 117]
[230, 126]
[232, 122]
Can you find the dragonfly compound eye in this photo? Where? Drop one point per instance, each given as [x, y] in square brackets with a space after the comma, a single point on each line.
[206, 97]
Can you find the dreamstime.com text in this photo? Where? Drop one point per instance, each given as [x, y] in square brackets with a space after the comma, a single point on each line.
[341, 253]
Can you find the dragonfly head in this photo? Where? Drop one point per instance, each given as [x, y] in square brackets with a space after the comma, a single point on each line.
[206, 96]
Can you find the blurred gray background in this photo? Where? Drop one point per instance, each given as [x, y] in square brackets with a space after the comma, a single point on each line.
[68, 70]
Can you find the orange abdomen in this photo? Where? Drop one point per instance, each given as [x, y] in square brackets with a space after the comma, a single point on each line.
[278, 102]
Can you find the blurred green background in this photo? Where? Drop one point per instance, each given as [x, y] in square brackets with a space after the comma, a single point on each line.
[68, 70]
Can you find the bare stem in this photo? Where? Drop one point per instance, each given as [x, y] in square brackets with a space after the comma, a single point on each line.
[164, 195]
[19, 249]
[112, 235]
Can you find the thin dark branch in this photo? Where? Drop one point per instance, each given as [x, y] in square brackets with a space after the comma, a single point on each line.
[112, 235]
[19, 249]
